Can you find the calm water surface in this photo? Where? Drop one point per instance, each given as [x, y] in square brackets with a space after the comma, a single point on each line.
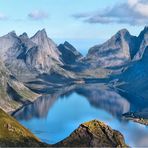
[54, 116]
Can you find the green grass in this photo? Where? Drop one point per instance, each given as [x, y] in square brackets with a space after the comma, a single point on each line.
[14, 134]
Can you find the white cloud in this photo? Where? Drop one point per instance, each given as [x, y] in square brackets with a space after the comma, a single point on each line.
[139, 7]
[38, 15]
[132, 2]
[133, 12]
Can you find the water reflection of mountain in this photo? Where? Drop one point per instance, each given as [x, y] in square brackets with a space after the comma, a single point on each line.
[98, 95]
[41, 106]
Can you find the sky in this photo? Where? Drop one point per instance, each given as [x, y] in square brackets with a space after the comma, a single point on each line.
[82, 22]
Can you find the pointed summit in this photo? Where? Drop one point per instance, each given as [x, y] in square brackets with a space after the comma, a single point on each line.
[45, 52]
[143, 32]
[12, 34]
[117, 51]
[142, 43]
[40, 34]
[40, 38]
[24, 36]
[69, 54]
[123, 31]
[146, 28]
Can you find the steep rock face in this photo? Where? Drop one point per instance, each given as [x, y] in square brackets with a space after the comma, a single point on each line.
[134, 79]
[13, 94]
[9, 45]
[45, 54]
[38, 52]
[121, 49]
[28, 58]
[69, 54]
[93, 134]
[142, 43]
[116, 51]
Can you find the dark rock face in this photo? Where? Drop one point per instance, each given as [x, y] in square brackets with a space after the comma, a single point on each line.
[137, 72]
[93, 134]
[69, 54]
[141, 43]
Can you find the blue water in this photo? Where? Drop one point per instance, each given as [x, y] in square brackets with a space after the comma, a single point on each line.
[54, 116]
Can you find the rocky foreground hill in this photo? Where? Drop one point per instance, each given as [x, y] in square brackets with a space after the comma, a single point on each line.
[90, 134]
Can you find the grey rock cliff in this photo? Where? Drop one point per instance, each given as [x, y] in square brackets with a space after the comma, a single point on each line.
[118, 50]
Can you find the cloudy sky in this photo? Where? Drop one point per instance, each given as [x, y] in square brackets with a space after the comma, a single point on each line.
[83, 20]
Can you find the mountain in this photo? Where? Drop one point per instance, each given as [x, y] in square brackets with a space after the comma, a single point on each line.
[141, 43]
[121, 49]
[37, 63]
[44, 55]
[69, 54]
[13, 94]
[93, 134]
[32, 58]
[116, 51]
[134, 79]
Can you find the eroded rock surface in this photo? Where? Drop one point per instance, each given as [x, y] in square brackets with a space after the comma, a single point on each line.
[93, 134]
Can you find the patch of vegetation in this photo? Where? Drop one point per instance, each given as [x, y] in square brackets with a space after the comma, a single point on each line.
[13, 134]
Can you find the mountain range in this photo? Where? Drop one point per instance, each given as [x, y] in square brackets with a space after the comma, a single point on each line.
[30, 65]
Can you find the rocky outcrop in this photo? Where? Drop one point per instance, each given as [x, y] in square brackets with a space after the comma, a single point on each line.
[93, 134]
[69, 54]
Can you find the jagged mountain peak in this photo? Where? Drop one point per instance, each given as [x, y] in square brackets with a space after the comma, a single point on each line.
[66, 43]
[142, 41]
[123, 31]
[115, 51]
[145, 28]
[143, 32]
[12, 33]
[69, 46]
[24, 36]
[69, 54]
[41, 39]
[121, 35]
[41, 34]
